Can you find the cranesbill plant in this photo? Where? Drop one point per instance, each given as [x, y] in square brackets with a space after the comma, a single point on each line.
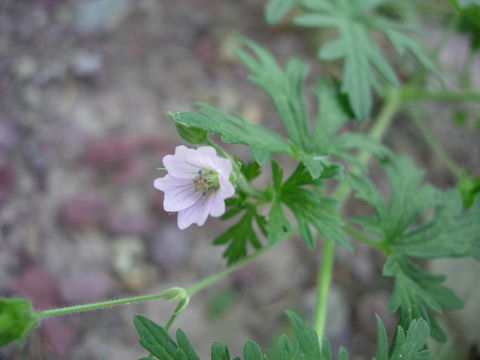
[205, 180]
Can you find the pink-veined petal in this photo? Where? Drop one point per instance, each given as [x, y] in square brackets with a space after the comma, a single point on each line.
[192, 214]
[180, 199]
[179, 168]
[179, 193]
[169, 182]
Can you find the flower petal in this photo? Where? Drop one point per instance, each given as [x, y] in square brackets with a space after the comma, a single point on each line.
[179, 193]
[192, 215]
[226, 188]
[179, 168]
[217, 206]
[168, 182]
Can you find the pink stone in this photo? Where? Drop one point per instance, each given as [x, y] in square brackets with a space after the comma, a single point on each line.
[83, 209]
[85, 286]
[37, 284]
[138, 224]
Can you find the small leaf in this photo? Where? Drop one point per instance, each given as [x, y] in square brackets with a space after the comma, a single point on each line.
[185, 346]
[239, 236]
[364, 64]
[275, 10]
[342, 354]
[284, 86]
[412, 345]
[251, 351]
[220, 352]
[415, 292]
[382, 340]
[306, 337]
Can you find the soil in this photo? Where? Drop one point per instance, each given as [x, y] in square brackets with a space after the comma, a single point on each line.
[84, 92]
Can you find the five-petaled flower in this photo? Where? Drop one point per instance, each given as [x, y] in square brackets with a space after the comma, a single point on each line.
[196, 185]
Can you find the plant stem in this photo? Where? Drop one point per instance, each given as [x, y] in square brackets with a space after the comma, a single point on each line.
[359, 236]
[100, 305]
[324, 280]
[435, 146]
[379, 128]
[232, 268]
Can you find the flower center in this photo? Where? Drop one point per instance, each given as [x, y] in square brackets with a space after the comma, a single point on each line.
[206, 181]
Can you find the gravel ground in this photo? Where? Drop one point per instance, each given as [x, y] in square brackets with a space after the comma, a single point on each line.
[84, 89]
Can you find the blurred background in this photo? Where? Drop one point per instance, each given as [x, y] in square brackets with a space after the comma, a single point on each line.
[84, 89]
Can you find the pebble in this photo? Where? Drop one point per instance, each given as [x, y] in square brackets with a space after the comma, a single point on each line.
[86, 285]
[60, 334]
[169, 248]
[128, 252]
[87, 65]
[134, 224]
[110, 151]
[137, 279]
[24, 67]
[99, 16]
[7, 181]
[83, 209]
[37, 284]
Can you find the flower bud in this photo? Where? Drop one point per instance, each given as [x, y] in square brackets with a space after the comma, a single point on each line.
[190, 134]
[16, 319]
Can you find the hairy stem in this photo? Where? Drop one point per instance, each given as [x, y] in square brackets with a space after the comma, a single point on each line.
[101, 304]
[232, 268]
[379, 128]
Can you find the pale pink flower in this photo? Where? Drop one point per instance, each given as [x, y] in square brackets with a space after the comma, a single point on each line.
[196, 185]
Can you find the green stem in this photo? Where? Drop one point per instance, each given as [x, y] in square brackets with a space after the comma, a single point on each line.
[323, 287]
[361, 237]
[232, 268]
[101, 304]
[379, 128]
[435, 146]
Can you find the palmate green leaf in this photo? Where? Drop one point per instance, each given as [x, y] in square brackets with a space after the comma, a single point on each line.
[235, 130]
[451, 233]
[331, 117]
[241, 234]
[409, 198]
[363, 60]
[415, 293]
[309, 208]
[284, 86]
